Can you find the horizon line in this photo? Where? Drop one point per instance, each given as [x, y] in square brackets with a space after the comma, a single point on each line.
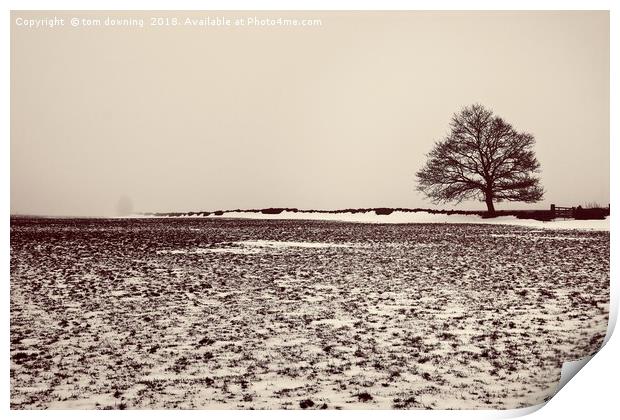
[279, 210]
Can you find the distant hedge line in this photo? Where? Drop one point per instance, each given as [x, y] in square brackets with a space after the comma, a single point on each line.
[544, 215]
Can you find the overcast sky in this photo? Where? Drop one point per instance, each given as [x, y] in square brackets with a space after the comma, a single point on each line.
[336, 116]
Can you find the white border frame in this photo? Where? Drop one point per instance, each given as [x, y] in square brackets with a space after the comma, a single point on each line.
[592, 393]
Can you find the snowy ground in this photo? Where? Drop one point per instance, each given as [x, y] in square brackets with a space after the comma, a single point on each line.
[203, 313]
[415, 217]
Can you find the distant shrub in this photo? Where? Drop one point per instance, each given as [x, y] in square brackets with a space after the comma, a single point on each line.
[383, 211]
[218, 213]
[272, 211]
[590, 213]
[542, 215]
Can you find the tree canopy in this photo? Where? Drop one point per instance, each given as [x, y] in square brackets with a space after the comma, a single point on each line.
[483, 157]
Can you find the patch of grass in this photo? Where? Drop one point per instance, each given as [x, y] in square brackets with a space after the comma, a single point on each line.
[364, 396]
[307, 403]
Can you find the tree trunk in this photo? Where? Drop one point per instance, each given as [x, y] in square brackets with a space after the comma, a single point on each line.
[489, 201]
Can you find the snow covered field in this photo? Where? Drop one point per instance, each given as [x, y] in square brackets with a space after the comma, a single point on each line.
[225, 313]
[414, 217]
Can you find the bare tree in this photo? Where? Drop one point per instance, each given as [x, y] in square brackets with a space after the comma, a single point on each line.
[483, 157]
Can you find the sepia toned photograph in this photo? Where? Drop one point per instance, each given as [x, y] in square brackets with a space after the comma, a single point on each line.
[306, 210]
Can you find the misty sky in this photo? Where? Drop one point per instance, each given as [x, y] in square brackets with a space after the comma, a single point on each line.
[337, 116]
